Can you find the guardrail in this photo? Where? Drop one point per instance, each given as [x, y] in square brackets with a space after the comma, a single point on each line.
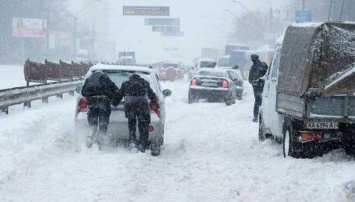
[26, 94]
[43, 72]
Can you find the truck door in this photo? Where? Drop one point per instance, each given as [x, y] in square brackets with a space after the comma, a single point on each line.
[269, 95]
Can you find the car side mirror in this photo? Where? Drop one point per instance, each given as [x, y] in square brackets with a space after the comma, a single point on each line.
[78, 89]
[167, 92]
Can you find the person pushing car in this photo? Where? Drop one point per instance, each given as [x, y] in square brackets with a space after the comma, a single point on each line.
[99, 91]
[136, 92]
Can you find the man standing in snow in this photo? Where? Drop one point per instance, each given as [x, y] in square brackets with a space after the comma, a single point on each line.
[257, 71]
[136, 92]
[98, 90]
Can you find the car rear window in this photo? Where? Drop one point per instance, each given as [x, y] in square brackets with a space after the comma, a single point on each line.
[211, 73]
[118, 77]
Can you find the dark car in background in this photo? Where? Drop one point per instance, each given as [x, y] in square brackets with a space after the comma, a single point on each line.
[213, 85]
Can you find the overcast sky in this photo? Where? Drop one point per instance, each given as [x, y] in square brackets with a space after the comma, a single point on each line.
[205, 23]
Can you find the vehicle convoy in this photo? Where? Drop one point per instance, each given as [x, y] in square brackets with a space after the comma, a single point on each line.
[214, 85]
[170, 71]
[118, 126]
[308, 99]
[202, 63]
[127, 58]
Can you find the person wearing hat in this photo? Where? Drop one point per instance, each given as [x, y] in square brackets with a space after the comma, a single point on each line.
[136, 92]
[99, 92]
[257, 71]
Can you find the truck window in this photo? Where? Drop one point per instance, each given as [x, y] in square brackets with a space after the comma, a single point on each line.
[276, 64]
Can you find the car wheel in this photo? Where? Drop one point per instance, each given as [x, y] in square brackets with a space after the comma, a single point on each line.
[349, 146]
[155, 148]
[192, 98]
[229, 101]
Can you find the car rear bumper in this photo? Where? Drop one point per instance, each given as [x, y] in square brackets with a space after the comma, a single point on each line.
[209, 92]
[118, 127]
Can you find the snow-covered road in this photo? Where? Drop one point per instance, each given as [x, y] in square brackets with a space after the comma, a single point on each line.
[211, 153]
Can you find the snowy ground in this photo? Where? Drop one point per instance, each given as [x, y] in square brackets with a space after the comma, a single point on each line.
[211, 153]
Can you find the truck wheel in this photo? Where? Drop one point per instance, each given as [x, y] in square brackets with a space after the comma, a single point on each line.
[289, 144]
[262, 135]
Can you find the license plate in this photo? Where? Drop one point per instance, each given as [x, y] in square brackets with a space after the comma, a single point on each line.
[322, 125]
[209, 84]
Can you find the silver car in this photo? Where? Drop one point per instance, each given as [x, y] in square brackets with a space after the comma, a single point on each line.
[118, 126]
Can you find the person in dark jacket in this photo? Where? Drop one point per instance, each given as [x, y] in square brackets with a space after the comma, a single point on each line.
[99, 91]
[136, 92]
[257, 71]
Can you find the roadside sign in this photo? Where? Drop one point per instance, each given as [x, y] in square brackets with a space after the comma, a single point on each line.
[303, 16]
[165, 28]
[162, 21]
[146, 10]
[172, 33]
[28, 27]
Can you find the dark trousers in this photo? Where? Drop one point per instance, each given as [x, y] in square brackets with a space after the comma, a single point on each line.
[138, 111]
[99, 115]
[258, 91]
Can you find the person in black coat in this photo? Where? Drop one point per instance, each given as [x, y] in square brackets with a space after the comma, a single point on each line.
[257, 71]
[136, 92]
[99, 91]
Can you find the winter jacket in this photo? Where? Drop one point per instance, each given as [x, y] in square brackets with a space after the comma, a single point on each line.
[98, 84]
[257, 71]
[136, 87]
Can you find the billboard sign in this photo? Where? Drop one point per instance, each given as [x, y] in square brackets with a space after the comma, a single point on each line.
[28, 27]
[162, 21]
[172, 33]
[146, 10]
[165, 28]
[303, 16]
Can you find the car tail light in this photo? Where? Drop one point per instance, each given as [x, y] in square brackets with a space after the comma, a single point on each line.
[193, 82]
[306, 136]
[150, 128]
[225, 84]
[155, 107]
[83, 105]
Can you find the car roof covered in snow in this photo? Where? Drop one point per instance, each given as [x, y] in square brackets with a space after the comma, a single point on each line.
[120, 67]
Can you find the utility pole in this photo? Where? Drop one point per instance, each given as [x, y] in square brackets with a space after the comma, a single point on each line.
[303, 5]
[330, 10]
[341, 11]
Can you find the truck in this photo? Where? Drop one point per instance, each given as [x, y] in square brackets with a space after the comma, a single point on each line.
[309, 93]
[211, 53]
[127, 58]
[234, 54]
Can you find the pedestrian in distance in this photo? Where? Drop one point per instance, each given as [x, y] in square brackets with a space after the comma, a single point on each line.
[257, 71]
[99, 92]
[136, 92]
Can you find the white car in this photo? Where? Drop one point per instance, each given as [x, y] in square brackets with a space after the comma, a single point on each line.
[202, 63]
[118, 126]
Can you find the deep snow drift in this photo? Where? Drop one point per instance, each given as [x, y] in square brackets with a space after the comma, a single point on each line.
[211, 153]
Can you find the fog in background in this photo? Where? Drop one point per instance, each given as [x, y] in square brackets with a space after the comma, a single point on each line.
[102, 30]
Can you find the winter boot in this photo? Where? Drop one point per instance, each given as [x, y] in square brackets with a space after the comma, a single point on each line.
[89, 140]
